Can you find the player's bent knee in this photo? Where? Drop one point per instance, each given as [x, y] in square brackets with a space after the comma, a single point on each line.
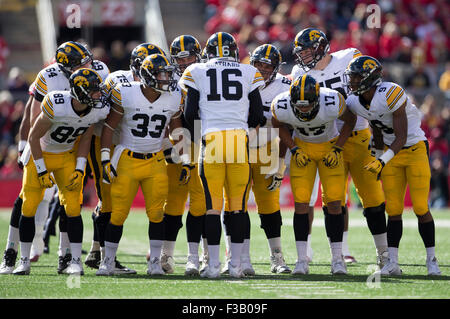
[118, 218]
[155, 217]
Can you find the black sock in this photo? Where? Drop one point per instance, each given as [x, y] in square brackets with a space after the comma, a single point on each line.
[334, 224]
[113, 233]
[213, 229]
[26, 229]
[75, 229]
[301, 227]
[394, 232]
[247, 225]
[62, 219]
[427, 233]
[101, 221]
[237, 225]
[271, 224]
[172, 225]
[226, 222]
[95, 235]
[194, 227]
[156, 230]
[16, 213]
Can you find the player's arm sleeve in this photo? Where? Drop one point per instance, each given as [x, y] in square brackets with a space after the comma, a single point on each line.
[47, 107]
[256, 114]
[356, 53]
[191, 106]
[40, 87]
[187, 80]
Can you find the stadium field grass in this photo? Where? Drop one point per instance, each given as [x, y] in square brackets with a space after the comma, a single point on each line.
[44, 282]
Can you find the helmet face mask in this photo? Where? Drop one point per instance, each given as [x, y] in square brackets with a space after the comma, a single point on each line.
[267, 59]
[184, 51]
[87, 88]
[71, 56]
[362, 74]
[157, 73]
[222, 45]
[310, 46]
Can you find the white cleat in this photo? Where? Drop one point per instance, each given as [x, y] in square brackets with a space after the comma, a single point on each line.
[391, 269]
[225, 266]
[167, 264]
[37, 249]
[301, 268]
[75, 267]
[382, 259]
[120, 269]
[247, 267]
[204, 263]
[106, 267]
[211, 271]
[309, 254]
[433, 267]
[23, 268]
[154, 267]
[235, 271]
[278, 265]
[338, 267]
[192, 266]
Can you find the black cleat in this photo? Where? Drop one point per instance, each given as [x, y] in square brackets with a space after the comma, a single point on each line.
[9, 261]
[63, 263]
[93, 259]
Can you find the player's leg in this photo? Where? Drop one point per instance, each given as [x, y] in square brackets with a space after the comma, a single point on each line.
[12, 244]
[155, 190]
[173, 213]
[312, 203]
[418, 178]
[50, 223]
[123, 191]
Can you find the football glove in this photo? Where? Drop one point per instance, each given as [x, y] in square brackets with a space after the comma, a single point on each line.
[185, 174]
[332, 159]
[46, 180]
[375, 167]
[109, 173]
[76, 180]
[168, 155]
[277, 178]
[300, 157]
[374, 151]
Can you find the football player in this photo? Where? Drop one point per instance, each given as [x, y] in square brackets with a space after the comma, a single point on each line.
[224, 94]
[102, 215]
[267, 59]
[69, 57]
[402, 158]
[317, 145]
[67, 116]
[311, 49]
[144, 110]
[184, 51]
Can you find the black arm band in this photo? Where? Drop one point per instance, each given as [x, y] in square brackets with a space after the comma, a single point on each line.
[256, 114]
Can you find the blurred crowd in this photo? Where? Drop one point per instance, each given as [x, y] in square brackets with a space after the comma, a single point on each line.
[409, 38]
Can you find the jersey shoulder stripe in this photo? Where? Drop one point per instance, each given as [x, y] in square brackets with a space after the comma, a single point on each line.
[356, 53]
[116, 96]
[341, 104]
[393, 96]
[47, 107]
[258, 77]
[41, 84]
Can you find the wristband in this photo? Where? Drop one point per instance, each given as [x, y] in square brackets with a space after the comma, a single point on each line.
[40, 165]
[105, 154]
[21, 145]
[387, 156]
[185, 159]
[294, 149]
[81, 164]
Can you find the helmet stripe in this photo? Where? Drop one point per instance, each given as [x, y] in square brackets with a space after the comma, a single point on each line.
[182, 43]
[220, 44]
[302, 87]
[77, 48]
[269, 48]
[165, 59]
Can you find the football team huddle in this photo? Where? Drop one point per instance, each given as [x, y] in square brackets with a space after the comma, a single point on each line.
[200, 124]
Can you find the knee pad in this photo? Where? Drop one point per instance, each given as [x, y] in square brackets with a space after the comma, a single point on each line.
[271, 224]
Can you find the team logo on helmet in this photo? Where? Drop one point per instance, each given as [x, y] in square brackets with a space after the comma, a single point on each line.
[142, 51]
[81, 80]
[67, 49]
[314, 34]
[147, 64]
[62, 58]
[369, 64]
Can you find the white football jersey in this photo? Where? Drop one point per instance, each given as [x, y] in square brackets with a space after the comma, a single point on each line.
[224, 86]
[387, 99]
[67, 125]
[332, 77]
[52, 78]
[144, 123]
[322, 127]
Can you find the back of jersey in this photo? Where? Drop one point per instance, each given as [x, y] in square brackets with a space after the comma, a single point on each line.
[224, 86]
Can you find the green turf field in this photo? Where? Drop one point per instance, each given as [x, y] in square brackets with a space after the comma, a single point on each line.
[44, 282]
